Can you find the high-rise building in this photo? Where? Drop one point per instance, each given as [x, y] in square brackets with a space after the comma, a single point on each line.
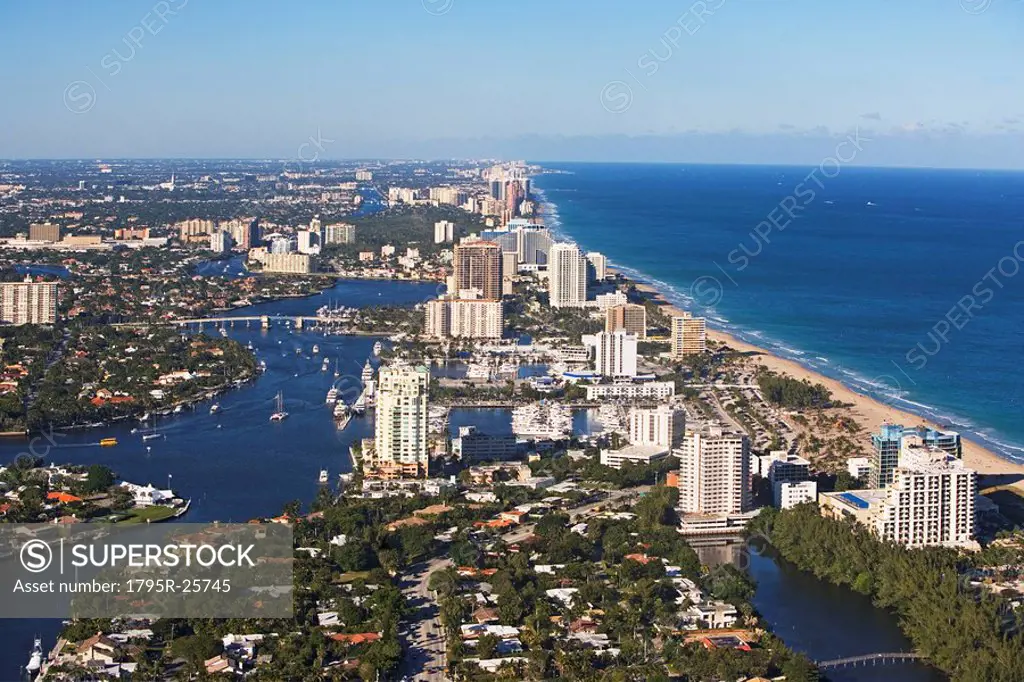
[196, 230]
[364, 175]
[28, 302]
[661, 426]
[929, 502]
[478, 266]
[44, 232]
[401, 419]
[308, 242]
[714, 471]
[886, 445]
[339, 233]
[630, 317]
[567, 276]
[457, 318]
[245, 232]
[614, 353]
[509, 270]
[597, 266]
[444, 231]
[288, 263]
[533, 244]
[220, 242]
[689, 336]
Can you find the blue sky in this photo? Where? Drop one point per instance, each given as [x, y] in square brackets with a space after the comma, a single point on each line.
[939, 81]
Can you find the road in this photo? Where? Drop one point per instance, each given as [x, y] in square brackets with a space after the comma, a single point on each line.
[423, 639]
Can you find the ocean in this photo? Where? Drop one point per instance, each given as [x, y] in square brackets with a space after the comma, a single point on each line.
[904, 284]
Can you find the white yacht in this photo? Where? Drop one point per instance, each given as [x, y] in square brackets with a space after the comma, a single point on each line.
[332, 395]
[543, 420]
[35, 659]
[323, 476]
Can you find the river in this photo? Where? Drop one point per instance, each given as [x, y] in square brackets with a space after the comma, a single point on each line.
[236, 465]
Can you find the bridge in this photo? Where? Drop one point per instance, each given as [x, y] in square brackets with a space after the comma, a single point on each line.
[299, 321]
[886, 658]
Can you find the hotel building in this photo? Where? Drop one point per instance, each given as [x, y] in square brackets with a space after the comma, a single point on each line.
[929, 502]
[614, 353]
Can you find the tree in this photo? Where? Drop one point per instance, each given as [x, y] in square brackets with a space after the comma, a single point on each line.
[98, 479]
[486, 646]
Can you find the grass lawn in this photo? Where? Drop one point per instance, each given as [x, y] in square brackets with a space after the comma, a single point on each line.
[352, 576]
[151, 514]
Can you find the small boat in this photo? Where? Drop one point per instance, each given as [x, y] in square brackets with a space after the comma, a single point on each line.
[279, 414]
[340, 409]
[323, 476]
[298, 351]
[323, 367]
[215, 408]
[144, 417]
[35, 659]
[332, 395]
[178, 409]
[316, 349]
[377, 348]
[249, 345]
[108, 442]
[152, 436]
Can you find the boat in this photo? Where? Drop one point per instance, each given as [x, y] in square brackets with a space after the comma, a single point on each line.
[178, 409]
[323, 476]
[316, 349]
[342, 414]
[279, 414]
[377, 348]
[367, 374]
[215, 408]
[249, 345]
[35, 659]
[151, 436]
[323, 367]
[108, 442]
[332, 395]
[359, 406]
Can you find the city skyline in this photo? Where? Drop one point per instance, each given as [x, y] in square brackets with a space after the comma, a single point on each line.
[706, 82]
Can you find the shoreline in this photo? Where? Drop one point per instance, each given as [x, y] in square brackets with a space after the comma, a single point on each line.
[868, 411]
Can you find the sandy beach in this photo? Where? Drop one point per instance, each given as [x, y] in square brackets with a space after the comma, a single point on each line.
[867, 411]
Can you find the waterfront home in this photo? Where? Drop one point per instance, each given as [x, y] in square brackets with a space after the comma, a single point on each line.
[146, 495]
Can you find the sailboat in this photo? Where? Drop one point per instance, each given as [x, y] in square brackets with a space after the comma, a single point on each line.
[279, 414]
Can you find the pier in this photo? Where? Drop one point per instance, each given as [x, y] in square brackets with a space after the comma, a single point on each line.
[887, 658]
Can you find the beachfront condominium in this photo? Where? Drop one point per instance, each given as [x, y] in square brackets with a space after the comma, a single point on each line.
[929, 502]
[714, 471]
[661, 426]
[461, 318]
[284, 263]
[478, 267]
[567, 276]
[597, 266]
[630, 317]
[400, 431]
[28, 302]
[689, 335]
[888, 443]
[614, 353]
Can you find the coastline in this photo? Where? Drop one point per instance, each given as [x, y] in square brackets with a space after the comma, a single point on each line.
[868, 411]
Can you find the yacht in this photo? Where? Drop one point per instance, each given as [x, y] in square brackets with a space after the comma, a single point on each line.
[35, 659]
[542, 420]
[178, 409]
[377, 348]
[323, 476]
[359, 406]
[215, 408]
[332, 395]
[323, 367]
[279, 413]
[342, 415]
[151, 436]
[316, 349]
